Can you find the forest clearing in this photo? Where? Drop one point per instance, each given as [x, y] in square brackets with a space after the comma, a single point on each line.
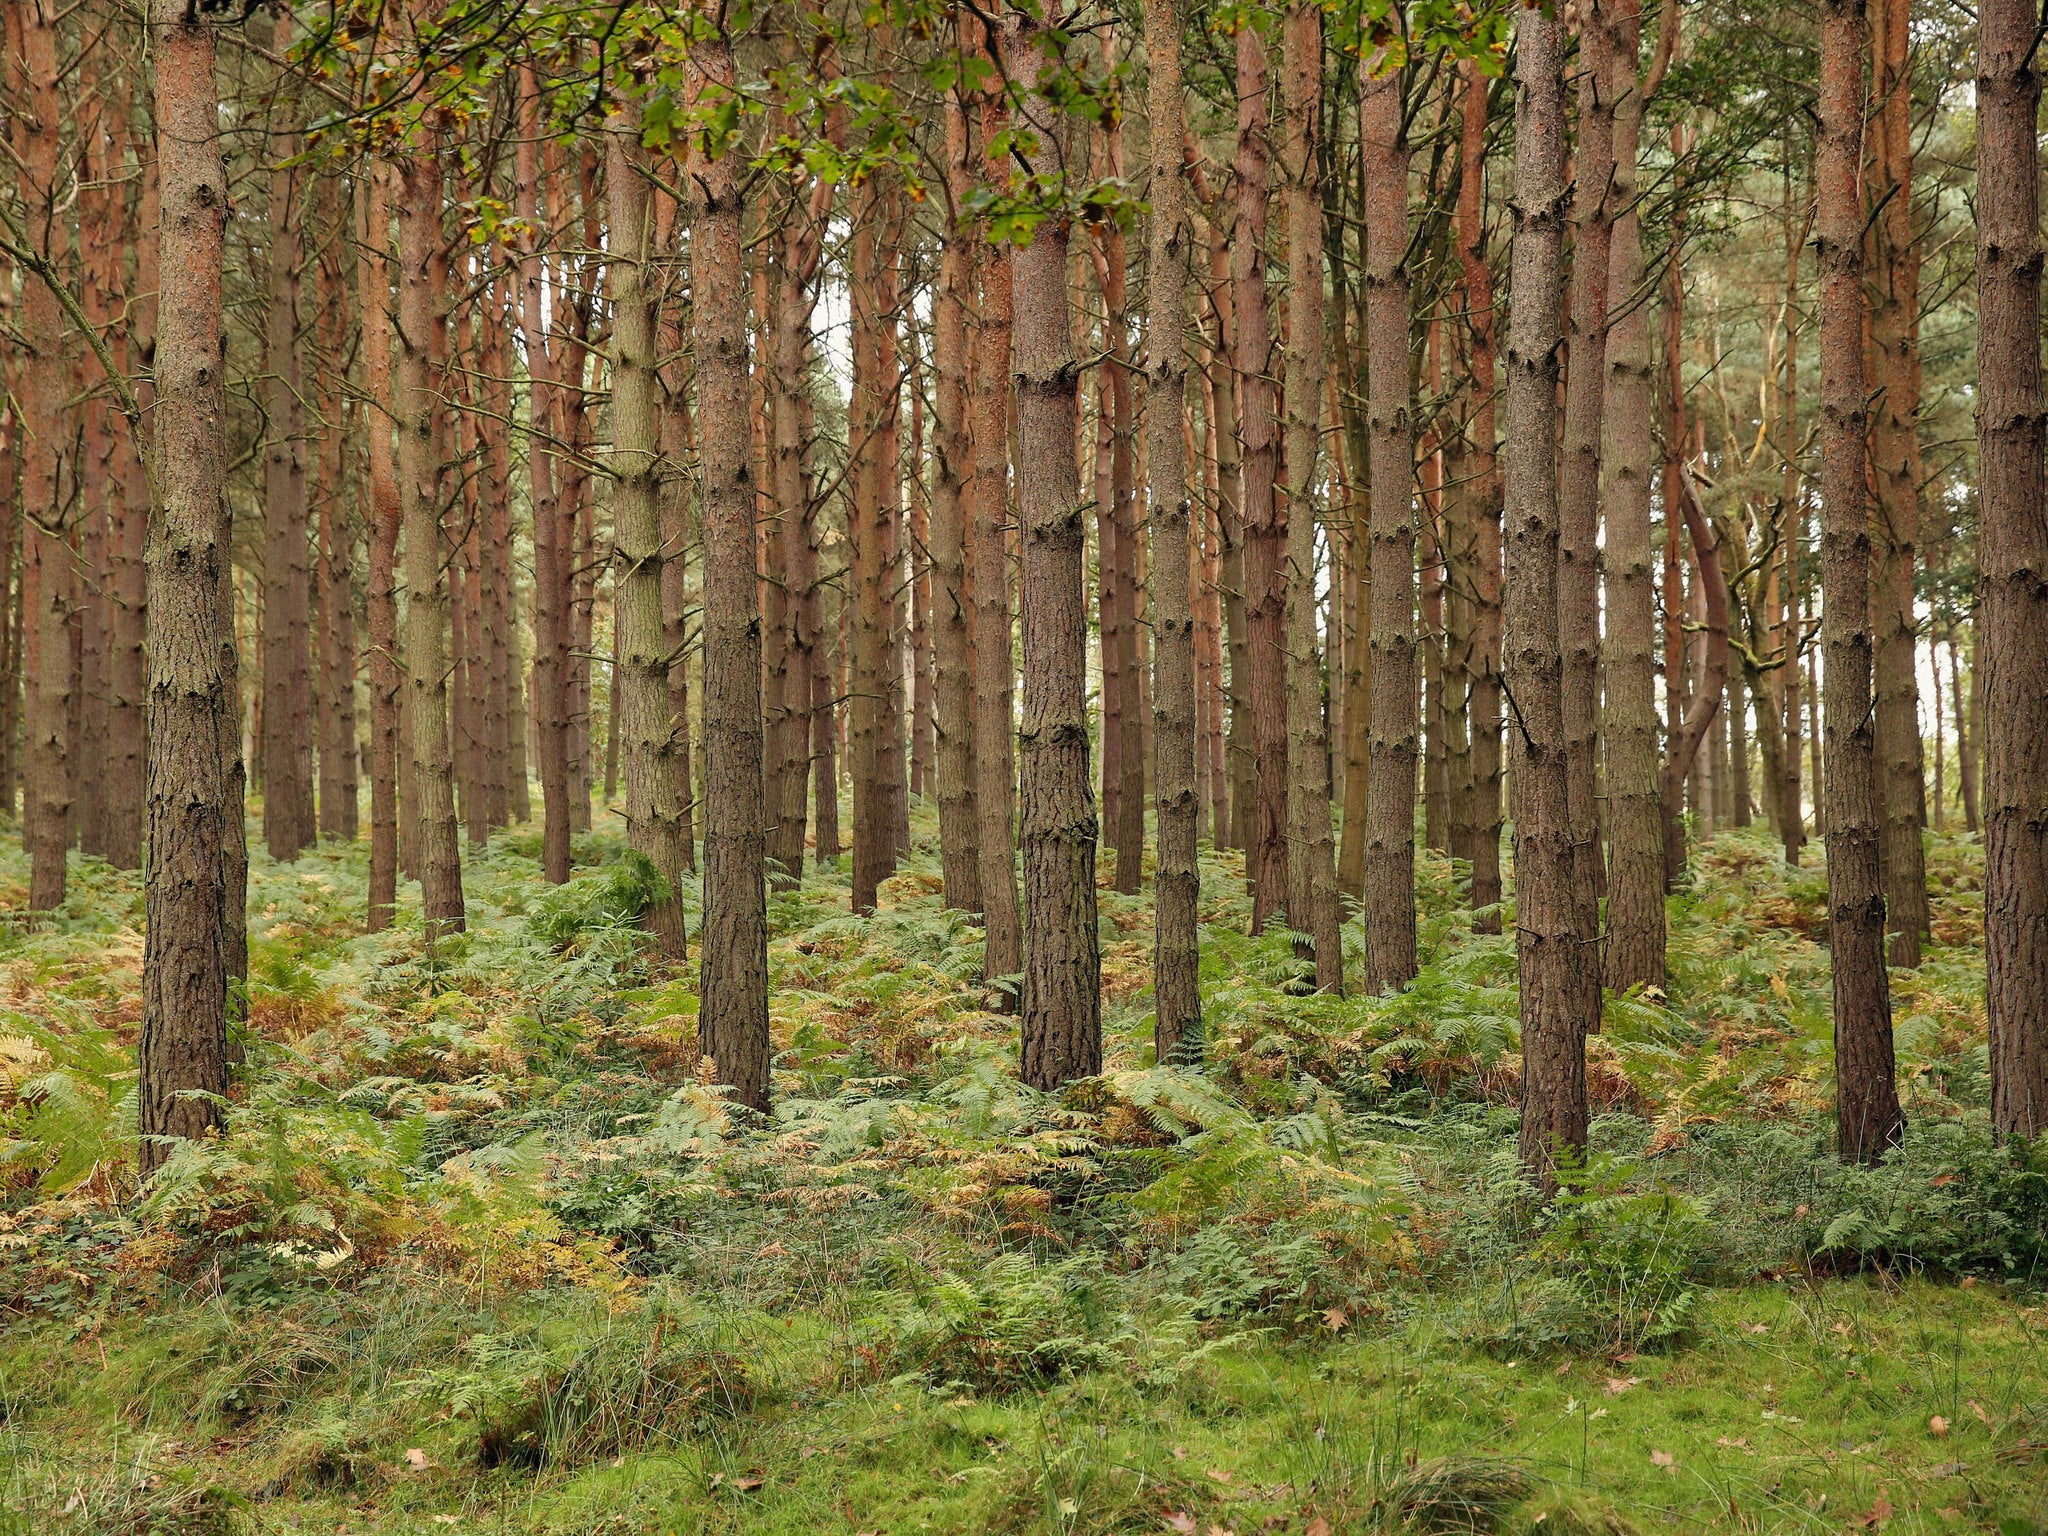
[982, 766]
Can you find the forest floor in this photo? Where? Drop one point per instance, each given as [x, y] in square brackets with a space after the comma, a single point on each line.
[477, 1251]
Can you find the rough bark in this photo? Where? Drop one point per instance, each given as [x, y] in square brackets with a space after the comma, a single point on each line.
[1867, 1117]
[373, 278]
[869, 426]
[1061, 1024]
[193, 794]
[2012, 614]
[1551, 947]
[733, 1018]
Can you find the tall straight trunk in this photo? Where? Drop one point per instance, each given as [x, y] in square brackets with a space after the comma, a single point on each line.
[1061, 1025]
[373, 280]
[873, 672]
[1742, 810]
[188, 946]
[1177, 998]
[917, 543]
[1792, 526]
[46, 385]
[732, 1023]
[99, 486]
[500, 650]
[1894, 328]
[893, 775]
[289, 824]
[1578, 487]
[550, 623]
[1313, 907]
[1867, 1117]
[2012, 614]
[952, 475]
[335, 650]
[1678, 681]
[127, 741]
[1390, 793]
[640, 710]
[1635, 828]
[1239, 750]
[420, 404]
[1262, 518]
[677, 491]
[1550, 943]
[1966, 737]
[1484, 705]
[1127, 820]
[994, 714]
[1813, 740]
[1687, 747]
[1357, 595]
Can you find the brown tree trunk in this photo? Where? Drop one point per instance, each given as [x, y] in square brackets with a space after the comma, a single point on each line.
[870, 429]
[1390, 795]
[373, 279]
[1894, 288]
[1966, 736]
[1263, 520]
[1551, 946]
[335, 649]
[1061, 1022]
[640, 710]
[194, 799]
[1177, 998]
[1635, 828]
[1484, 705]
[952, 475]
[288, 813]
[994, 670]
[1703, 710]
[1578, 489]
[127, 741]
[2012, 614]
[1792, 523]
[1867, 1117]
[733, 1018]
[1313, 907]
[420, 405]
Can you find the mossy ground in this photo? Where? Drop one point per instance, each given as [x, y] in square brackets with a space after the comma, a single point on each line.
[477, 1252]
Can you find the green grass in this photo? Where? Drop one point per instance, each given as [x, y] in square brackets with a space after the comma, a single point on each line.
[476, 1252]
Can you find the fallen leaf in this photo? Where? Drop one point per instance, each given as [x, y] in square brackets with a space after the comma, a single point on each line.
[1221, 1530]
[748, 1484]
[447, 1519]
[1221, 1477]
[1937, 1426]
[1841, 1327]
[1180, 1520]
[1759, 1327]
[1739, 1443]
[1180, 1453]
[1616, 1385]
[772, 1251]
[1318, 1527]
[1336, 1318]
[1880, 1512]
[1565, 1368]
[1663, 1459]
[416, 1459]
[1978, 1409]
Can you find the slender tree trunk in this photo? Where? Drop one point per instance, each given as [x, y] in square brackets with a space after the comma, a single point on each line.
[1966, 737]
[1867, 1116]
[1177, 999]
[193, 794]
[288, 815]
[640, 708]
[127, 743]
[733, 1018]
[952, 477]
[1262, 518]
[1894, 329]
[1390, 796]
[1792, 522]
[874, 851]
[994, 714]
[1313, 906]
[2012, 649]
[420, 404]
[373, 278]
[1127, 819]
[335, 648]
[1484, 706]
[1062, 996]
[1550, 944]
[1578, 489]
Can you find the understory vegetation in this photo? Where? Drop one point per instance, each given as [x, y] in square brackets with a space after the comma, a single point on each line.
[478, 1250]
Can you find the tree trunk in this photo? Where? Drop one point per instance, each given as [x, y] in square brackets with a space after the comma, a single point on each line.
[193, 795]
[420, 404]
[1550, 944]
[1484, 705]
[2012, 615]
[1966, 737]
[1313, 907]
[1894, 330]
[994, 715]
[874, 575]
[1578, 490]
[288, 814]
[373, 280]
[1792, 524]
[733, 1018]
[1177, 999]
[1062, 998]
[1867, 1117]
[952, 477]
[1390, 795]
[641, 718]
[127, 740]
[335, 647]
[1263, 520]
